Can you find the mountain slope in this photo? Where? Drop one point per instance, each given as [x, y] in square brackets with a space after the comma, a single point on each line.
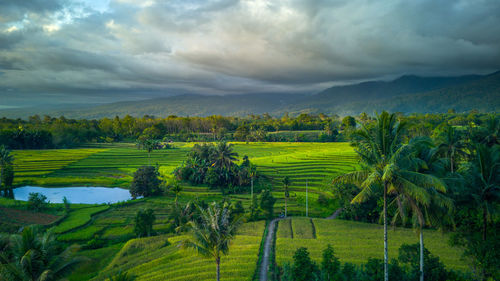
[405, 94]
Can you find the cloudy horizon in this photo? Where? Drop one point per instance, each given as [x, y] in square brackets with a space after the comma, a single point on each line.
[123, 49]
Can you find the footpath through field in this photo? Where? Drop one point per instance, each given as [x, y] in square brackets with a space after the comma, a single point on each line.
[264, 267]
[268, 245]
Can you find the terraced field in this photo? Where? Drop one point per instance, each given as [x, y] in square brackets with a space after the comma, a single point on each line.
[33, 166]
[154, 259]
[355, 242]
[113, 165]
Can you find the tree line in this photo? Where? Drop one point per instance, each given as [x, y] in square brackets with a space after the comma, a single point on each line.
[54, 132]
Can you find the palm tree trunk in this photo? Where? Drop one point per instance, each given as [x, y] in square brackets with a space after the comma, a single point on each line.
[421, 254]
[386, 253]
[451, 163]
[485, 221]
[217, 260]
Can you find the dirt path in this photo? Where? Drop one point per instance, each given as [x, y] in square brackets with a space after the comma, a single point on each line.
[335, 214]
[264, 267]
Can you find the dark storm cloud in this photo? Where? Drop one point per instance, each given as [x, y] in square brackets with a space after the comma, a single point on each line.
[234, 46]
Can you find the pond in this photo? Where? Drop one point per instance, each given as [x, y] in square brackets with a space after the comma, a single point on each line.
[79, 195]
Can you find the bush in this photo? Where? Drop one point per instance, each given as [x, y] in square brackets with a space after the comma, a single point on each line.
[434, 269]
[303, 268]
[146, 182]
[267, 203]
[330, 265]
[37, 201]
[144, 223]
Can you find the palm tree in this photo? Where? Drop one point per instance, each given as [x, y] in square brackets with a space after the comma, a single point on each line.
[425, 200]
[6, 159]
[176, 189]
[286, 185]
[151, 145]
[378, 149]
[484, 178]
[212, 233]
[451, 145]
[35, 257]
[224, 156]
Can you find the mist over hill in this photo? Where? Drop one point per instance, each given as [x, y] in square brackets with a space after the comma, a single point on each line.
[406, 94]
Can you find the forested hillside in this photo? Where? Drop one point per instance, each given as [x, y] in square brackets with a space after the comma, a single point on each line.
[408, 94]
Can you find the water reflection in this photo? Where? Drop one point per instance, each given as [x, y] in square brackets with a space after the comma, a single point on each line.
[79, 195]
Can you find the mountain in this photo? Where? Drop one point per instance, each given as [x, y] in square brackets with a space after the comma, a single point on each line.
[407, 94]
[190, 105]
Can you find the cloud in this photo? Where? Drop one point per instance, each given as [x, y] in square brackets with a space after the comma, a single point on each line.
[231, 46]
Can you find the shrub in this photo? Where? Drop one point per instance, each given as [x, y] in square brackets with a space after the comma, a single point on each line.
[330, 265]
[267, 203]
[303, 267]
[37, 201]
[144, 223]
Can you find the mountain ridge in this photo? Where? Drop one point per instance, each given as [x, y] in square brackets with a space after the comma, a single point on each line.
[407, 93]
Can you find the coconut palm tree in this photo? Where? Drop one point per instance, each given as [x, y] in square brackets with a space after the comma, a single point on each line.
[224, 156]
[286, 185]
[484, 178]
[212, 233]
[6, 159]
[34, 256]
[378, 149]
[451, 145]
[176, 189]
[425, 201]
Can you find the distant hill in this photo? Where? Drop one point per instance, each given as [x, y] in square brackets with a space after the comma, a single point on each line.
[407, 94]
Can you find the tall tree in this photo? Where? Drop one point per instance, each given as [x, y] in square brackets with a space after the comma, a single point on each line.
[286, 185]
[212, 233]
[484, 180]
[425, 199]
[451, 144]
[378, 149]
[176, 189]
[224, 156]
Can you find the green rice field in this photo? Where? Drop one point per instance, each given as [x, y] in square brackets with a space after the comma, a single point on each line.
[113, 165]
[154, 259]
[355, 242]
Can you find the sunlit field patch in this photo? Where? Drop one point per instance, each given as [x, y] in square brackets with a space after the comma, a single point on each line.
[355, 242]
[154, 259]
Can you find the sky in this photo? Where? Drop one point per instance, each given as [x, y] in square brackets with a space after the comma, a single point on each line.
[105, 50]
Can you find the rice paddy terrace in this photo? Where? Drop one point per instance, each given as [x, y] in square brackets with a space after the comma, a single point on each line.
[114, 164]
[355, 242]
[154, 259]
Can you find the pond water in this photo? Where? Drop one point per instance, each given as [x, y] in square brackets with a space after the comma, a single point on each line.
[79, 195]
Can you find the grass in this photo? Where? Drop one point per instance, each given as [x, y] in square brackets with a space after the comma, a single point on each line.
[154, 259]
[78, 218]
[85, 233]
[97, 259]
[355, 242]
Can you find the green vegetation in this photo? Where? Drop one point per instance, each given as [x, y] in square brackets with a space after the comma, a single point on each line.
[77, 218]
[34, 255]
[154, 259]
[409, 174]
[212, 232]
[355, 242]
